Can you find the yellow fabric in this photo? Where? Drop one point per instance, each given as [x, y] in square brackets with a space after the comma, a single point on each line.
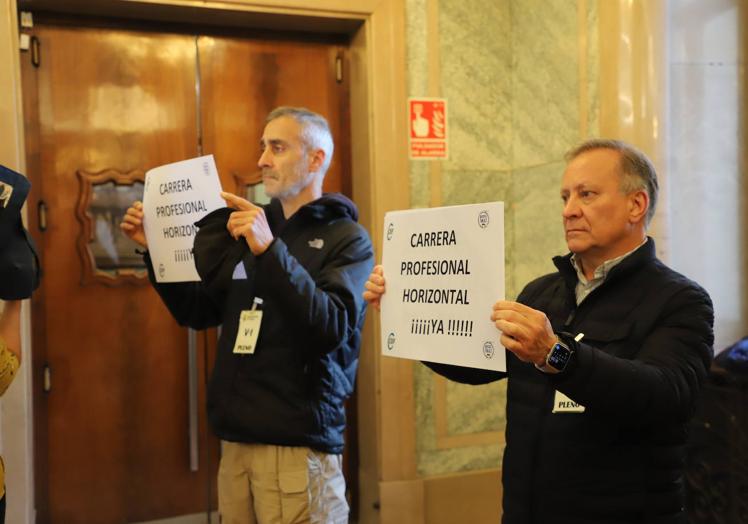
[8, 369]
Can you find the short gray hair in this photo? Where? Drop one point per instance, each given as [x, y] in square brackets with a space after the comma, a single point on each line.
[315, 131]
[637, 170]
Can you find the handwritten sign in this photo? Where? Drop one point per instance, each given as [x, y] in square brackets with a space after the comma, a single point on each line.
[444, 269]
[175, 197]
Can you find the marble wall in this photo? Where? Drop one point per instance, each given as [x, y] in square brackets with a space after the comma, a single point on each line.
[518, 76]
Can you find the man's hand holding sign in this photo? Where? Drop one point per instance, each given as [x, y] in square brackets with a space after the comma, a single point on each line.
[521, 327]
[375, 287]
[132, 223]
[174, 198]
[526, 332]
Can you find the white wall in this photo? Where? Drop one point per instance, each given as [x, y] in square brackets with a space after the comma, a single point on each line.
[705, 171]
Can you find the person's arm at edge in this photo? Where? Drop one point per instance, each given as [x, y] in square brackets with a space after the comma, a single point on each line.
[10, 342]
[10, 326]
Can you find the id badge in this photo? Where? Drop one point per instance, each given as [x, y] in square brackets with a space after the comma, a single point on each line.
[249, 330]
[563, 404]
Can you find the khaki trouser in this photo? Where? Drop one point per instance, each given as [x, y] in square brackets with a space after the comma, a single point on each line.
[265, 484]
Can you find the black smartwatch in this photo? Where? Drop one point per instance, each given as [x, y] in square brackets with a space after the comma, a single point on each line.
[559, 355]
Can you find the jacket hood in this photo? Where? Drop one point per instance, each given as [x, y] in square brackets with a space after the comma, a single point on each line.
[331, 205]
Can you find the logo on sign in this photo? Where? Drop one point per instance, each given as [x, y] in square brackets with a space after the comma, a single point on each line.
[390, 231]
[390, 341]
[483, 219]
[488, 349]
[161, 270]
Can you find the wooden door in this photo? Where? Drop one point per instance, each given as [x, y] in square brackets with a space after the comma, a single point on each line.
[242, 80]
[103, 106]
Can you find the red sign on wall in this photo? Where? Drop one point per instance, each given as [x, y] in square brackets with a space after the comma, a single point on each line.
[427, 125]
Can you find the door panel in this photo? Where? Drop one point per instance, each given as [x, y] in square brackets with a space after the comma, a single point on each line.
[112, 441]
[117, 447]
[242, 80]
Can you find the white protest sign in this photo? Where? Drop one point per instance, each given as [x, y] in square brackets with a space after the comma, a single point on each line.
[444, 269]
[174, 198]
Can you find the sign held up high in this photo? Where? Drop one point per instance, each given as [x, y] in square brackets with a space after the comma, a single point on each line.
[444, 269]
[175, 197]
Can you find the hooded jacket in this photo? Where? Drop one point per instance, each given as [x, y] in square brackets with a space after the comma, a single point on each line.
[646, 350]
[291, 390]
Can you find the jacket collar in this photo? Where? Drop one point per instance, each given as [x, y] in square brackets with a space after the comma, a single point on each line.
[329, 205]
[645, 253]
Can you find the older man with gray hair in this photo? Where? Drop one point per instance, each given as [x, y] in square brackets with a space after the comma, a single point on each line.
[605, 358]
[284, 280]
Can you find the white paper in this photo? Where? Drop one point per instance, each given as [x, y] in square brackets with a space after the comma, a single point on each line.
[175, 197]
[443, 314]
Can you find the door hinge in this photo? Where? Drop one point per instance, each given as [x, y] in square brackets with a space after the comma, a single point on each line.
[47, 378]
[339, 69]
[27, 19]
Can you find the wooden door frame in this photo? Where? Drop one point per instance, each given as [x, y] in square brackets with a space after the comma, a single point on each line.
[386, 410]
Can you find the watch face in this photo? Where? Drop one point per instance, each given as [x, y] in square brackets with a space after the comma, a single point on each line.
[559, 356]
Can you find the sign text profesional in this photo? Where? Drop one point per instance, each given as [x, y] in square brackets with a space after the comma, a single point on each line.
[444, 270]
[176, 196]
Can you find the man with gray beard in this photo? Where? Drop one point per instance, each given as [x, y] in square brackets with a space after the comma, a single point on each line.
[294, 270]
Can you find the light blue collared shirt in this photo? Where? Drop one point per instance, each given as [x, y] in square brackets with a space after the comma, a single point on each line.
[584, 286]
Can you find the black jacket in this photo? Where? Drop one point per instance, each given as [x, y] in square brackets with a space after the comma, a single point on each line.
[291, 391]
[646, 350]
